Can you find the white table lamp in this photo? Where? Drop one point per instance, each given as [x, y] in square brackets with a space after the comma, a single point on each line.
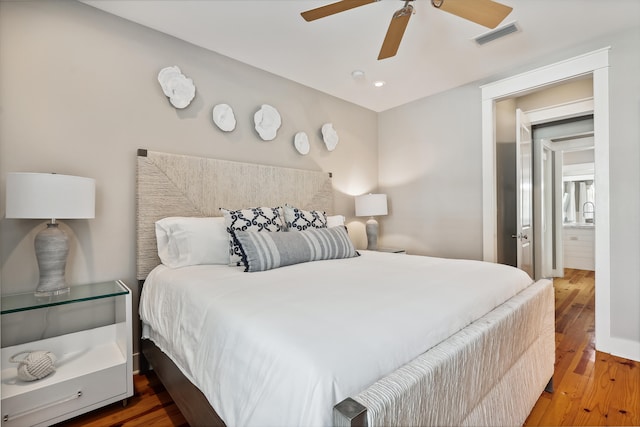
[371, 205]
[50, 196]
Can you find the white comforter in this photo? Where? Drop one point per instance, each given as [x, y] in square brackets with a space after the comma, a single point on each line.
[281, 347]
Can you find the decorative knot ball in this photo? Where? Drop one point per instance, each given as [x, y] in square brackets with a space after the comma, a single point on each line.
[35, 365]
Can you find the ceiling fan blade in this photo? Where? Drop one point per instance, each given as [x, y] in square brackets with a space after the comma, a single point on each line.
[395, 32]
[333, 8]
[484, 12]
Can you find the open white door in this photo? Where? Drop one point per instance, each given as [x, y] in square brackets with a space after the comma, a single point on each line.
[548, 212]
[558, 220]
[543, 208]
[524, 194]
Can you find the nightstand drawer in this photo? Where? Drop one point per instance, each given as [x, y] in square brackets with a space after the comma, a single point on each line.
[44, 405]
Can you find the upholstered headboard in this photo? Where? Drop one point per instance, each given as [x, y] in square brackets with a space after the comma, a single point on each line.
[179, 185]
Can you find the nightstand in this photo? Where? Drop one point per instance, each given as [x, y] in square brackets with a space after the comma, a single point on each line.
[93, 367]
[392, 250]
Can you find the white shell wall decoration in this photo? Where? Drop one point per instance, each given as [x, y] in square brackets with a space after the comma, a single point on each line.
[330, 136]
[267, 122]
[176, 86]
[301, 142]
[224, 118]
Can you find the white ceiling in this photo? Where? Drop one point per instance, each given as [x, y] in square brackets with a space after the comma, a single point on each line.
[437, 52]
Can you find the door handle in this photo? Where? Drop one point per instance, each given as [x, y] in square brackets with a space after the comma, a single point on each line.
[520, 236]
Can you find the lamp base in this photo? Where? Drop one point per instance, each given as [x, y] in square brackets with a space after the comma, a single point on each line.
[52, 248]
[49, 294]
[372, 234]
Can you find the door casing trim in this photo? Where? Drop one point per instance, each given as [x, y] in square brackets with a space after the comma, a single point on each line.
[595, 63]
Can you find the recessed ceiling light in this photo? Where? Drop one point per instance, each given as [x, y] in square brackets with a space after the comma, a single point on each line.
[357, 74]
[379, 83]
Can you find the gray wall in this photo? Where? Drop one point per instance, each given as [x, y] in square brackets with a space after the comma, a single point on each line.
[79, 96]
[430, 167]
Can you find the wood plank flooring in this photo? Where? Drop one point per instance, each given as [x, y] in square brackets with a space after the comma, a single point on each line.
[150, 405]
[591, 388]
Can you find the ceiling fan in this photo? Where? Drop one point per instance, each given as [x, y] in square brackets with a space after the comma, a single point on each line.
[484, 12]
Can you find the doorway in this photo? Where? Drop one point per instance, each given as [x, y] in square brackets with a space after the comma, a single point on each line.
[528, 167]
[564, 196]
[595, 64]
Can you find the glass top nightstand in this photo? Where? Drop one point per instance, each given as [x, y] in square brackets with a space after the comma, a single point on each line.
[93, 344]
[28, 301]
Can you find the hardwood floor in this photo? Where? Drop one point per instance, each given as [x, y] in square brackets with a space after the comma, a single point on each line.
[591, 388]
[150, 405]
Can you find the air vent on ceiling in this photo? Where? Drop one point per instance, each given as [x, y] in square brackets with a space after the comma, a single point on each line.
[497, 33]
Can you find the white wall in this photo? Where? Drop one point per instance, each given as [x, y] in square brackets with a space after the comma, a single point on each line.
[79, 96]
[625, 186]
[430, 167]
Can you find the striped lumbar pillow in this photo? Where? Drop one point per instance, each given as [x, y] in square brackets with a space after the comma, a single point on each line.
[264, 251]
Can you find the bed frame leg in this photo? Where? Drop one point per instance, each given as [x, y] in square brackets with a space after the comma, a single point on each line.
[349, 413]
[549, 387]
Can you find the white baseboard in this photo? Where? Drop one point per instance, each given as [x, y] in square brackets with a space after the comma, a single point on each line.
[622, 347]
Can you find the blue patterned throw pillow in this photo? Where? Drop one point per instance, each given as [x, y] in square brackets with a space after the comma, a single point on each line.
[250, 219]
[265, 251]
[299, 219]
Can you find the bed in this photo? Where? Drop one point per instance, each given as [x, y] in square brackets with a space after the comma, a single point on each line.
[351, 339]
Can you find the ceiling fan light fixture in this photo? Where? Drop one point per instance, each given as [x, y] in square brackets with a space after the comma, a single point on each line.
[488, 13]
[407, 9]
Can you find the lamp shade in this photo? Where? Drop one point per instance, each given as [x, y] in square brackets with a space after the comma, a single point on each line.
[371, 205]
[49, 196]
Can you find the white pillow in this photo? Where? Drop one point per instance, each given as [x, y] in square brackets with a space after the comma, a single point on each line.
[184, 241]
[335, 220]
